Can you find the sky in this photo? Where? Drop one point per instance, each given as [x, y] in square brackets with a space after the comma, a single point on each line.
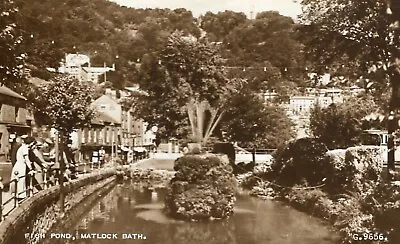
[198, 7]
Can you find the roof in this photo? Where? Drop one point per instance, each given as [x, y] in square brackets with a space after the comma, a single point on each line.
[101, 117]
[8, 92]
[37, 81]
[303, 98]
[97, 69]
[105, 99]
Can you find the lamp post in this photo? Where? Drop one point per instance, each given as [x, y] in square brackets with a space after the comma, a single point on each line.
[255, 126]
[154, 129]
[133, 142]
[112, 143]
[133, 147]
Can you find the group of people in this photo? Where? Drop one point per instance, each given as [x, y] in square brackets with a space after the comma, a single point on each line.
[29, 157]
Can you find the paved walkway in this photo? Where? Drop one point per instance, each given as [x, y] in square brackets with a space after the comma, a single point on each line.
[153, 163]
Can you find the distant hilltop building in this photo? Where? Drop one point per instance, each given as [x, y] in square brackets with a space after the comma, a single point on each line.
[320, 79]
[79, 66]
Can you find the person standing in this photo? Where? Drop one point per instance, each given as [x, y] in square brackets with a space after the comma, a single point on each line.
[39, 164]
[16, 143]
[102, 154]
[70, 163]
[49, 154]
[22, 164]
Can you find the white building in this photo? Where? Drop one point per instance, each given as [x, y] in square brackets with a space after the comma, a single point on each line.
[269, 95]
[79, 66]
[301, 105]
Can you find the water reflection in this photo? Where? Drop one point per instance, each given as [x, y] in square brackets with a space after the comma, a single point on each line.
[132, 209]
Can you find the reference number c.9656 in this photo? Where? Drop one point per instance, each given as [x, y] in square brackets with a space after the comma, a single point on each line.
[370, 237]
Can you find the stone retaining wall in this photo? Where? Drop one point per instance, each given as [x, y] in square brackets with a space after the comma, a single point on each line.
[39, 213]
[154, 178]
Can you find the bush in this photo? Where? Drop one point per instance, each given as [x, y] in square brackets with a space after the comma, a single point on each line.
[384, 204]
[314, 201]
[353, 169]
[203, 187]
[299, 162]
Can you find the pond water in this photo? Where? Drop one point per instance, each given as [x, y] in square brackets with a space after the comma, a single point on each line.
[129, 209]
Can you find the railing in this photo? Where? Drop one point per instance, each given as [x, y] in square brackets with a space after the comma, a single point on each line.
[51, 178]
[256, 151]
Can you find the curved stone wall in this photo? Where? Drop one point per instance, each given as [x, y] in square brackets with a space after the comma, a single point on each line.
[39, 213]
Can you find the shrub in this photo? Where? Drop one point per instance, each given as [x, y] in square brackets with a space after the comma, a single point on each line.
[247, 180]
[203, 187]
[300, 161]
[384, 204]
[242, 167]
[338, 174]
[354, 169]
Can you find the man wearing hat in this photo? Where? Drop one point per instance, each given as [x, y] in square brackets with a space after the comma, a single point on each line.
[36, 157]
[49, 155]
[48, 149]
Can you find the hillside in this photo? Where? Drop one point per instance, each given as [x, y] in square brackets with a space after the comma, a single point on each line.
[110, 33]
[104, 30]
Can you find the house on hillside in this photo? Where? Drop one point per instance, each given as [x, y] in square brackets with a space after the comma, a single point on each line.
[79, 66]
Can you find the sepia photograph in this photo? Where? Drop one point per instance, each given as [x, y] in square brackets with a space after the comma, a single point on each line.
[200, 122]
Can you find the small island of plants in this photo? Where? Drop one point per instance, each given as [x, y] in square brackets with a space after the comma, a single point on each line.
[203, 188]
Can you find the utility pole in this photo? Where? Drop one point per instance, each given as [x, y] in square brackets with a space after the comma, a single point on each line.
[112, 143]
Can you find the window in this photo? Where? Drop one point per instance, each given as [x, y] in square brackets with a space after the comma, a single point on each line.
[16, 114]
[105, 135]
[83, 136]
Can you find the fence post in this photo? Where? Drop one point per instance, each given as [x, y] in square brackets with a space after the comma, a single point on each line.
[254, 155]
[57, 179]
[1, 198]
[16, 190]
[45, 178]
[31, 174]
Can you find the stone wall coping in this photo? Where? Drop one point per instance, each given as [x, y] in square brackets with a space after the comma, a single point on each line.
[19, 215]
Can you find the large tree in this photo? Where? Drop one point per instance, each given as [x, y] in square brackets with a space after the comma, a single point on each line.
[341, 125]
[64, 104]
[184, 81]
[362, 31]
[11, 54]
[218, 26]
[269, 38]
[251, 122]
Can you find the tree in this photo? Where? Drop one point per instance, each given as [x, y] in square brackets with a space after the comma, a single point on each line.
[184, 80]
[364, 32]
[12, 56]
[270, 37]
[64, 104]
[218, 26]
[266, 52]
[341, 125]
[252, 123]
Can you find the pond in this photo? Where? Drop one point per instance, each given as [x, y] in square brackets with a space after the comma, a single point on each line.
[134, 215]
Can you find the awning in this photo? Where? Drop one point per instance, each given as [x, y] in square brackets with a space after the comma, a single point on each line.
[125, 149]
[140, 149]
